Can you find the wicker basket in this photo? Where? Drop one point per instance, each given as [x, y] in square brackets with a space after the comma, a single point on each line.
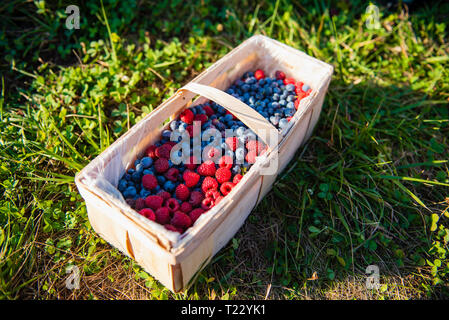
[172, 258]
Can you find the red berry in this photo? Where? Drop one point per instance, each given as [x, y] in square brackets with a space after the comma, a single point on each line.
[217, 201]
[207, 203]
[212, 153]
[226, 187]
[297, 103]
[161, 165]
[190, 178]
[173, 228]
[191, 163]
[154, 202]
[232, 143]
[186, 207]
[207, 168]
[225, 162]
[195, 214]
[289, 81]
[172, 204]
[212, 193]
[162, 215]
[259, 74]
[279, 75]
[195, 198]
[208, 184]
[254, 145]
[193, 133]
[187, 116]
[251, 156]
[151, 152]
[163, 151]
[200, 117]
[149, 181]
[181, 220]
[172, 174]
[209, 111]
[140, 204]
[148, 213]
[164, 194]
[182, 192]
[223, 175]
[237, 178]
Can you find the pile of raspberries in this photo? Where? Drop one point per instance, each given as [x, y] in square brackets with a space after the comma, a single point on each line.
[176, 195]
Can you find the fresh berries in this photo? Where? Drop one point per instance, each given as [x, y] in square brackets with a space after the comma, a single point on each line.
[208, 184]
[175, 194]
[223, 175]
[195, 214]
[161, 165]
[207, 168]
[149, 182]
[187, 116]
[226, 187]
[148, 213]
[181, 220]
[154, 202]
[225, 162]
[182, 192]
[162, 215]
[191, 178]
[259, 74]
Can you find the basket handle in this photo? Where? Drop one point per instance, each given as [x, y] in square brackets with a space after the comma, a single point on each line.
[254, 120]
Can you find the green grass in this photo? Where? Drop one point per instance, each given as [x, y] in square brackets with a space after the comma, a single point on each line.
[370, 187]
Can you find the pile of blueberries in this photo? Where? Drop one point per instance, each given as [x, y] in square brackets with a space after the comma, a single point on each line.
[275, 98]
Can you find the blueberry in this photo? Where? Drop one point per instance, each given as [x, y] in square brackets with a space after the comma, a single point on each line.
[290, 105]
[147, 171]
[174, 125]
[127, 177]
[282, 103]
[131, 171]
[305, 87]
[274, 120]
[290, 87]
[146, 162]
[275, 97]
[130, 192]
[240, 154]
[136, 176]
[169, 186]
[291, 98]
[122, 185]
[283, 123]
[161, 179]
[236, 169]
[144, 193]
[166, 134]
[289, 112]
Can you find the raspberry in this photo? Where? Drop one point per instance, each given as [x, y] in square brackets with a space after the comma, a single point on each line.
[297, 103]
[223, 175]
[186, 207]
[162, 215]
[217, 201]
[279, 75]
[148, 213]
[289, 81]
[308, 92]
[131, 202]
[237, 178]
[149, 181]
[200, 117]
[209, 111]
[191, 163]
[164, 194]
[181, 220]
[207, 203]
[173, 228]
[298, 87]
[212, 153]
[254, 145]
[232, 143]
[172, 174]
[195, 198]
[151, 152]
[187, 116]
[172, 204]
[154, 202]
[208, 184]
[161, 165]
[163, 151]
[226, 187]
[225, 162]
[140, 204]
[207, 168]
[195, 214]
[251, 156]
[214, 194]
[190, 178]
[182, 192]
[259, 74]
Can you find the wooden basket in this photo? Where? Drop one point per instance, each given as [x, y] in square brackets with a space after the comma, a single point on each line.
[172, 258]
